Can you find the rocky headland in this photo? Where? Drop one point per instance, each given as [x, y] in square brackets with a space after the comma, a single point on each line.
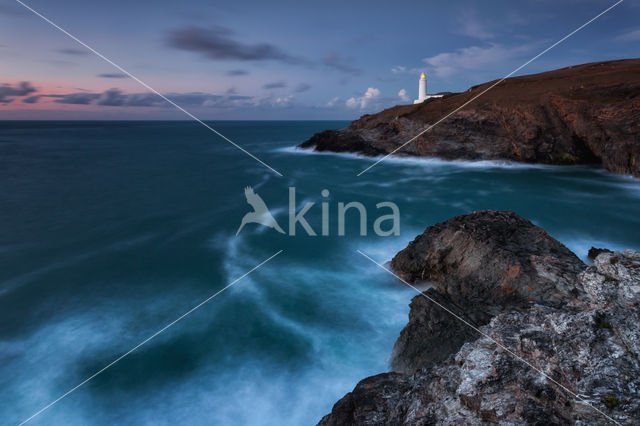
[584, 114]
[513, 284]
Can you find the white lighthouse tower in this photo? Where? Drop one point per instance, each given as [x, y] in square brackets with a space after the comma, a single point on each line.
[422, 90]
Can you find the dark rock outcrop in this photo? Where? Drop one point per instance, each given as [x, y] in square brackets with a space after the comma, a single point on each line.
[558, 354]
[585, 114]
[480, 264]
[490, 257]
[594, 252]
[373, 401]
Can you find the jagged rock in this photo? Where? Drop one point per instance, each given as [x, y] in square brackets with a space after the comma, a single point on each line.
[480, 264]
[491, 257]
[594, 252]
[614, 278]
[584, 114]
[574, 362]
[432, 333]
[374, 401]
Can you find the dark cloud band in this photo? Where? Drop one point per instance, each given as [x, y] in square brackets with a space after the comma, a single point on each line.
[8, 92]
[113, 75]
[218, 43]
[275, 85]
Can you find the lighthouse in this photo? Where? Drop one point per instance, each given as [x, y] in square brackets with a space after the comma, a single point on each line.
[422, 90]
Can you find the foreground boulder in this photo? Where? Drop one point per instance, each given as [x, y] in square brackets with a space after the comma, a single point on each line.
[584, 114]
[584, 338]
[480, 265]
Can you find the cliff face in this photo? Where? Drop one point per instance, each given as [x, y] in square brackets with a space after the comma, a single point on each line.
[585, 114]
[578, 324]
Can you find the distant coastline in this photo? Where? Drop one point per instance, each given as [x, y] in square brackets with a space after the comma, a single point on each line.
[585, 114]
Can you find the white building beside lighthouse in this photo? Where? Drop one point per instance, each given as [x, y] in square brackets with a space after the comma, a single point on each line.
[422, 90]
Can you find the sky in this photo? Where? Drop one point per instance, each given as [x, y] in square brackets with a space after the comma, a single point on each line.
[257, 60]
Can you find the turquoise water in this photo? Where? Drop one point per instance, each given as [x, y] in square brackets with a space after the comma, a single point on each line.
[111, 230]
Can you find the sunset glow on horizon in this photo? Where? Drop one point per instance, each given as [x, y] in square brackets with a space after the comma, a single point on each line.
[259, 61]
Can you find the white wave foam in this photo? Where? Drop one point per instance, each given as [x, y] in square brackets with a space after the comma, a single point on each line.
[426, 161]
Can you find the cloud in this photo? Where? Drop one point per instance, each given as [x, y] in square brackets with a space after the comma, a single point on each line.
[333, 102]
[32, 99]
[139, 100]
[201, 99]
[269, 101]
[399, 69]
[21, 89]
[285, 101]
[370, 97]
[116, 98]
[302, 87]
[633, 35]
[335, 61]
[74, 98]
[237, 72]
[474, 58]
[402, 94]
[75, 52]
[113, 75]
[218, 43]
[112, 97]
[275, 85]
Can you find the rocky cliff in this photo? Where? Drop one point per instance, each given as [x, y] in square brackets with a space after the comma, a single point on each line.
[518, 304]
[585, 114]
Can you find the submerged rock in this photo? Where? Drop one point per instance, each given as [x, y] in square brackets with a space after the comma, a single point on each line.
[584, 114]
[567, 355]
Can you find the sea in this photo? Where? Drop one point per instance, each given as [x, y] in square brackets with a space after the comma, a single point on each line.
[110, 232]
